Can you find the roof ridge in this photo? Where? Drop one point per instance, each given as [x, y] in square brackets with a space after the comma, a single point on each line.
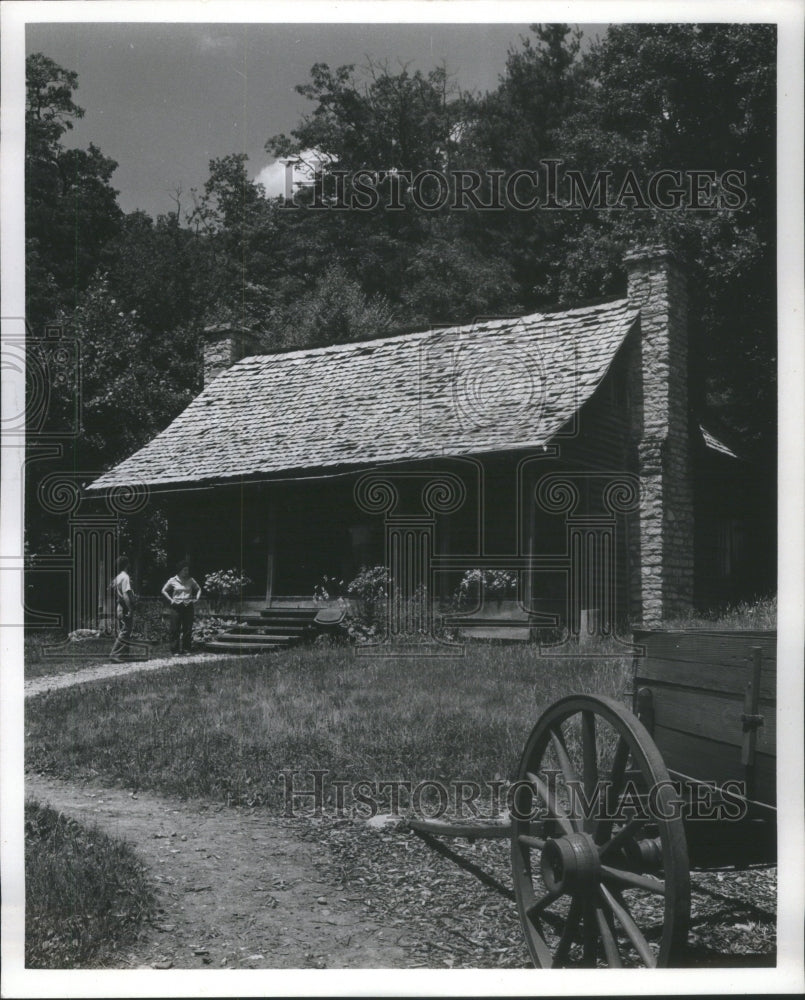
[353, 345]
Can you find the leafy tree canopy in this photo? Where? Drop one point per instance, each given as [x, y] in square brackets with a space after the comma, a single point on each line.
[71, 209]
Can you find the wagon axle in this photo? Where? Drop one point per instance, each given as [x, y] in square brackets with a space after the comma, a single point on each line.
[570, 863]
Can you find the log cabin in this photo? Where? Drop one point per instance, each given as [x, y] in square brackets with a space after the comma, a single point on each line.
[561, 448]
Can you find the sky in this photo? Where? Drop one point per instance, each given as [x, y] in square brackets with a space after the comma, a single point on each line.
[164, 99]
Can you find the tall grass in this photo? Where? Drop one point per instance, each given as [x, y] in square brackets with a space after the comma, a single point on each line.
[227, 729]
[758, 614]
[86, 894]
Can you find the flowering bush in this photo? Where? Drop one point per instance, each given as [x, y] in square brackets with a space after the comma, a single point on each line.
[150, 619]
[370, 588]
[479, 583]
[328, 588]
[225, 582]
[223, 585]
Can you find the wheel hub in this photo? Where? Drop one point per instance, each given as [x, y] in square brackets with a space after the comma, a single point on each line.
[570, 863]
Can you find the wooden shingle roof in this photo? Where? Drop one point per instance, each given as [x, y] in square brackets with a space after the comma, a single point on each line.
[493, 386]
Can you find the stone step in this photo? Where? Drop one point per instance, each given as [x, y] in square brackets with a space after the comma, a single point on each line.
[262, 640]
[214, 646]
[282, 625]
[295, 614]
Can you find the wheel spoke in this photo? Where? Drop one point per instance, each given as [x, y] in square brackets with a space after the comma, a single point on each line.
[629, 830]
[606, 929]
[543, 952]
[569, 932]
[589, 752]
[528, 841]
[568, 771]
[617, 779]
[590, 763]
[590, 934]
[536, 909]
[556, 811]
[632, 881]
[633, 932]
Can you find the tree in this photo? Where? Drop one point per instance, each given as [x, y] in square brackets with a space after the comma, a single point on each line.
[385, 121]
[237, 232]
[132, 382]
[687, 97]
[516, 125]
[335, 311]
[71, 209]
[49, 106]
[159, 270]
[451, 279]
[430, 266]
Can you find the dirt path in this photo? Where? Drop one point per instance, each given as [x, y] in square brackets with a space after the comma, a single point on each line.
[52, 682]
[238, 888]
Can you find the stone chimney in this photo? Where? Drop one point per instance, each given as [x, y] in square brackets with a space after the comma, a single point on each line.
[662, 546]
[224, 345]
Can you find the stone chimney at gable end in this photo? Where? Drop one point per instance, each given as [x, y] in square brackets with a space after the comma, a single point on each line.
[662, 584]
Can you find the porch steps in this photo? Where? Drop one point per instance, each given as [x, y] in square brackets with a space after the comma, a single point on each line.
[272, 629]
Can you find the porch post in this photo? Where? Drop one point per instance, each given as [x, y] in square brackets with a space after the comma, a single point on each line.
[271, 534]
[443, 541]
[527, 595]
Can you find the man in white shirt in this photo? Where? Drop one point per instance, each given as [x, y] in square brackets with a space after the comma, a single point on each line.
[124, 600]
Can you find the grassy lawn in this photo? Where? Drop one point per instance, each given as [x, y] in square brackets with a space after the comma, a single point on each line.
[227, 729]
[86, 894]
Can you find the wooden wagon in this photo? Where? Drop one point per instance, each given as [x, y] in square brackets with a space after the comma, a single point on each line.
[610, 808]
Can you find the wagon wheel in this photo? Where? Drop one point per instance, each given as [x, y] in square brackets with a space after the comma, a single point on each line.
[608, 882]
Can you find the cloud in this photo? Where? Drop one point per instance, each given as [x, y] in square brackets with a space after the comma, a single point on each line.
[274, 176]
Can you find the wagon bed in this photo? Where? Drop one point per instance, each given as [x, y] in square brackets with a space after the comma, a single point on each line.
[708, 700]
[604, 826]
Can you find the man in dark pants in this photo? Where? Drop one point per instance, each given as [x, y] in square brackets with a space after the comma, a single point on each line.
[182, 591]
[124, 601]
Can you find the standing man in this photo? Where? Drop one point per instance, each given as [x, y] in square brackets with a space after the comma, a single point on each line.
[124, 601]
[182, 591]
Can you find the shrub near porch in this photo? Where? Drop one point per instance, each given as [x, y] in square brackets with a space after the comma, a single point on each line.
[225, 729]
